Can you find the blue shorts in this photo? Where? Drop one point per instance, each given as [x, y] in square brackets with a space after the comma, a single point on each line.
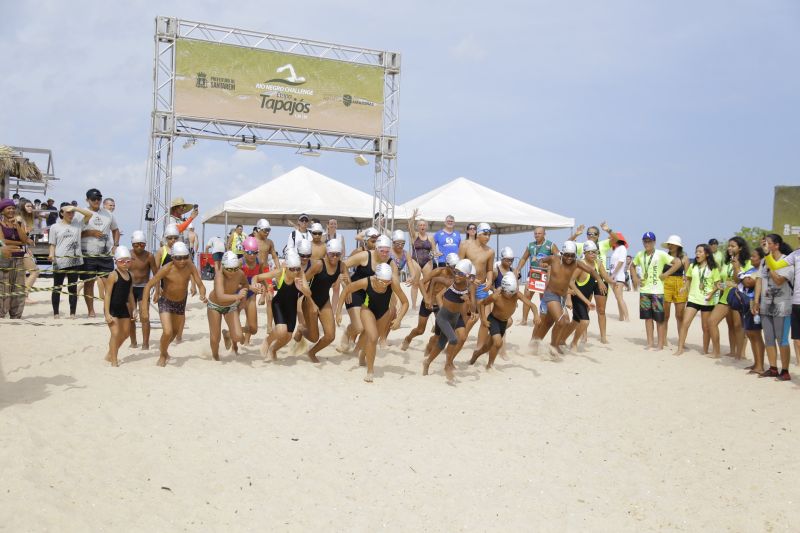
[481, 293]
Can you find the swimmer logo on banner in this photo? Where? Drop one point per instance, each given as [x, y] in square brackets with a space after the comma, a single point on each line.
[227, 82]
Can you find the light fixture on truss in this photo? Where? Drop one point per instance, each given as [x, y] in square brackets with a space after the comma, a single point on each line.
[311, 152]
[248, 143]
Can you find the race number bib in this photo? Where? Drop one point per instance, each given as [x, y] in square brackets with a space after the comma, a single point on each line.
[538, 279]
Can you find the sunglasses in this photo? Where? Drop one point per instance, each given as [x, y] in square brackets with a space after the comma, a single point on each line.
[316, 233]
[294, 269]
[265, 230]
[570, 255]
[471, 229]
[95, 199]
[334, 254]
[139, 244]
[460, 274]
[304, 256]
[592, 234]
[302, 220]
[171, 238]
[251, 253]
[180, 258]
[233, 269]
[123, 260]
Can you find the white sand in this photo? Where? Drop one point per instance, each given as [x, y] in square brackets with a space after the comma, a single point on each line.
[615, 439]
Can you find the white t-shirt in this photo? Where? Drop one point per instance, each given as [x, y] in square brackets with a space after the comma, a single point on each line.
[794, 261]
[294, 237]
[103, 221]
[619, 255]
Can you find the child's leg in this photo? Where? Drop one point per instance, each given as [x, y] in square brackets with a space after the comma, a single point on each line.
[497, 342]
[214, 331]
[167, 334]
[113, 342]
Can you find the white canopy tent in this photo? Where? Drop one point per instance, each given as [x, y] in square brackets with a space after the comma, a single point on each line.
[300, 190]
[468, 201]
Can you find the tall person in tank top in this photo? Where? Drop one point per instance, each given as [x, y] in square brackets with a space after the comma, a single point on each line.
[422, 249]
[537, 250]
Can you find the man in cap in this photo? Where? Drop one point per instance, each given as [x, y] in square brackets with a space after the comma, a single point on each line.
[143, 266]
[300, 232]
[651, 287]
[99, 239]
[177, 209]
[554, 297]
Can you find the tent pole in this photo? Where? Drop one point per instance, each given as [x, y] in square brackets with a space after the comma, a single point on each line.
[226, 228]
[202, 240]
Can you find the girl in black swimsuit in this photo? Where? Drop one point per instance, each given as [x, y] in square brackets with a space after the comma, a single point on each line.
[378, 291]
[118, 305]
[291, 284]
[324, 274]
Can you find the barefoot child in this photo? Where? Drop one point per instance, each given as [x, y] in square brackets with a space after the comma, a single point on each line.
[118, 303]
[455, 304]
[378, 291]
[325, 274]
[251, 267]
[229, 292]
[175, 276]
[426, 307]
[143, 265]
[504, 304]
[291, 285]
[555, 293]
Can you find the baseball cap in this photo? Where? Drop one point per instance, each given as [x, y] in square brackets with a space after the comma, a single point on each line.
[94, 194]
[303, 216]
[649, 236]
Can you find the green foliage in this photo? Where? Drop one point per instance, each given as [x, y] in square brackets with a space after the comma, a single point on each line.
[753, 235]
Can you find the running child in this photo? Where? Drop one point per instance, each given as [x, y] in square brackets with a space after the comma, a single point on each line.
[118, 303]
[143, 266]
[229, 292]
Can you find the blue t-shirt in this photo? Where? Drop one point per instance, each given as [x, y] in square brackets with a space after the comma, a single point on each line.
[447, 242]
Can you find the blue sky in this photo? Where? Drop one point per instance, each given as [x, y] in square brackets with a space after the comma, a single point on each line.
[669, 116]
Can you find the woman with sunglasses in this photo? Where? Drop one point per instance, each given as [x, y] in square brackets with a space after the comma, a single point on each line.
[702, 284]
[378, 289]
[363, 262]
[251, 266]
[291, 284]
[735, 261]
[324, 274]
[422, 246]
[472, 232]
[118, 306]
[226, 299]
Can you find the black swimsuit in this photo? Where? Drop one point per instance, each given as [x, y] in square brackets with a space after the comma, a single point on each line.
[284, 303]
[322, 283]
[377, 302]
[120, 294]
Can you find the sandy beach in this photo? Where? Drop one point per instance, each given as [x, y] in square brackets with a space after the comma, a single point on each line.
[615, 439]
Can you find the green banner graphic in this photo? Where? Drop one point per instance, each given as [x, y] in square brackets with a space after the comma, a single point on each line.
[227, 82]
[786, 214]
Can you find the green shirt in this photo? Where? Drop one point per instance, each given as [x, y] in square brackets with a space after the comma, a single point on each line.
[703, 283]
[726, 274]
[603, 247]
[652, 267]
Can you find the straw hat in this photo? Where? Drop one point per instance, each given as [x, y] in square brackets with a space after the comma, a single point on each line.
[180, 204]
[673, 239]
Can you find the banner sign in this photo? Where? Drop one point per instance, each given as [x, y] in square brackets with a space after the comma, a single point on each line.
[786, 214]
[227, 82]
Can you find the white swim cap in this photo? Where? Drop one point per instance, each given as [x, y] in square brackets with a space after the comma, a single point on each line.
[589, 246]
[507, 253]
[138, 236]
[398, 235]
[121, 253]
[383, 271]
[509, 282]
[383, 242]
[451, 259]
[569, 248]
[464, 266]
[171, 231]
[179, 249]
[316, 227]
[230, 260]
[216, 245]
[292, 259]
[371, 232]
[262, 223]
[304, 247]
[483, 227]
[334, 246]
